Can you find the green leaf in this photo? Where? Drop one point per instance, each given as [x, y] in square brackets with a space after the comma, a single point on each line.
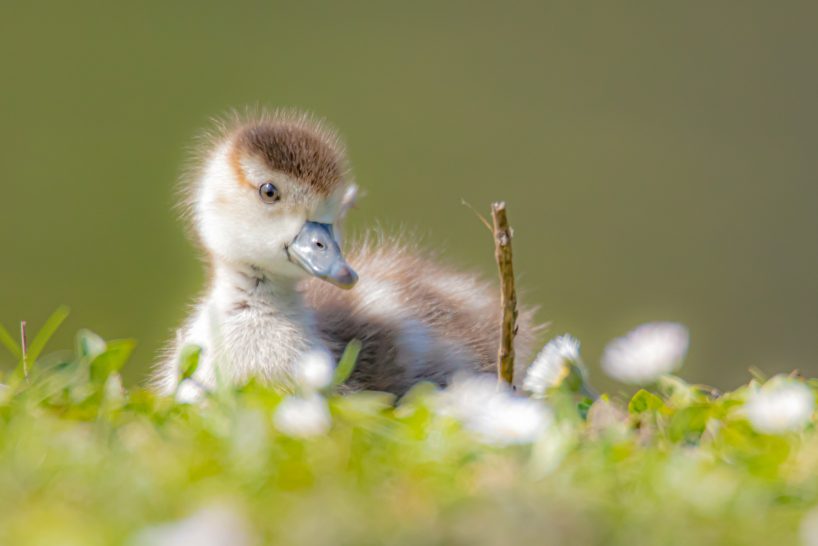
[347, 363]
[111, 360]
[583, 406]
[419, 393]
[644, 401]
[189, 361]
[689, 423]
[365, 402]
[678, 393]
[8, 341]
[51, 325]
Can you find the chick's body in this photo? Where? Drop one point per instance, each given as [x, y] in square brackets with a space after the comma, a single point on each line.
[266, 203]
[417, 319]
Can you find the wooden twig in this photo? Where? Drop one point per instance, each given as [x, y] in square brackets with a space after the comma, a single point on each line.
[24, 347]
[508, 295]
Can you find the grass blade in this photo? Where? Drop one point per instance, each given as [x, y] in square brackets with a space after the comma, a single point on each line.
[189, 361]
[347, 362]
[51, 325]
[9, 343]
[111, 360]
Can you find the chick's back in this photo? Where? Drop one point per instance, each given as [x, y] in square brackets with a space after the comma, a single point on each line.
[417, 318]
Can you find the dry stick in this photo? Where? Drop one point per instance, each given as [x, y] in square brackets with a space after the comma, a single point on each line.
[508, 296]
[24, 347]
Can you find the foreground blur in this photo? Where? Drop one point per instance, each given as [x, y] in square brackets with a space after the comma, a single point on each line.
[85, 461]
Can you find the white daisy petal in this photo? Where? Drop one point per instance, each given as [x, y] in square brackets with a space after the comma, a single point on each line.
[493, 413]
[646, 353]
[214, 525]
[809, 528]
[781, 405]
[551, 365]
[303, 416]
[315, 370]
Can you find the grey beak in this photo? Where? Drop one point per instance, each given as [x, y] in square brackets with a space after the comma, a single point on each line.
[317, 252]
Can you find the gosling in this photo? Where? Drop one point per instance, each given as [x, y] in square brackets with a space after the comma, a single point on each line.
[265, 203]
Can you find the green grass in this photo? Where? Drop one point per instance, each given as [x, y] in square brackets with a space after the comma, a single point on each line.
[83, 461]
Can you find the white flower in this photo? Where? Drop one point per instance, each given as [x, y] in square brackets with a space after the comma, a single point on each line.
[809, 528]
[552, 365]
[303, 416]
[493, 412]
[315, 370]
[215, 525]
[781, 405]
[646, 353]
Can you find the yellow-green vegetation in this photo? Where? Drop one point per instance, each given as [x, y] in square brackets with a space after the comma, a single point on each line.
[84, 461]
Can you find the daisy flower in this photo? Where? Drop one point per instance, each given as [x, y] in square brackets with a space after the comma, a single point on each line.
[552, 365]
[492, 412]
[809, 528]
[303, 416]
[214, 525]
[315, 370]
[646, 353]
[781, 405]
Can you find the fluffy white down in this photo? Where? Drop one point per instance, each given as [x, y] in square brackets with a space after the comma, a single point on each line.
[493, 412]
[229, 217]
[646, 353]
[551, 365]
[781, 405]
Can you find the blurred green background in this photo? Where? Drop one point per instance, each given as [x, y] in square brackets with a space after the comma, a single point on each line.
[659, 159]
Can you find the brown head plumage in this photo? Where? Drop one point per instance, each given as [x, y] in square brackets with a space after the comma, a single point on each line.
[292, 142]
[298, 146]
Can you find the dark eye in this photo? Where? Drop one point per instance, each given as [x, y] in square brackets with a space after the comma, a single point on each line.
[269, 193]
